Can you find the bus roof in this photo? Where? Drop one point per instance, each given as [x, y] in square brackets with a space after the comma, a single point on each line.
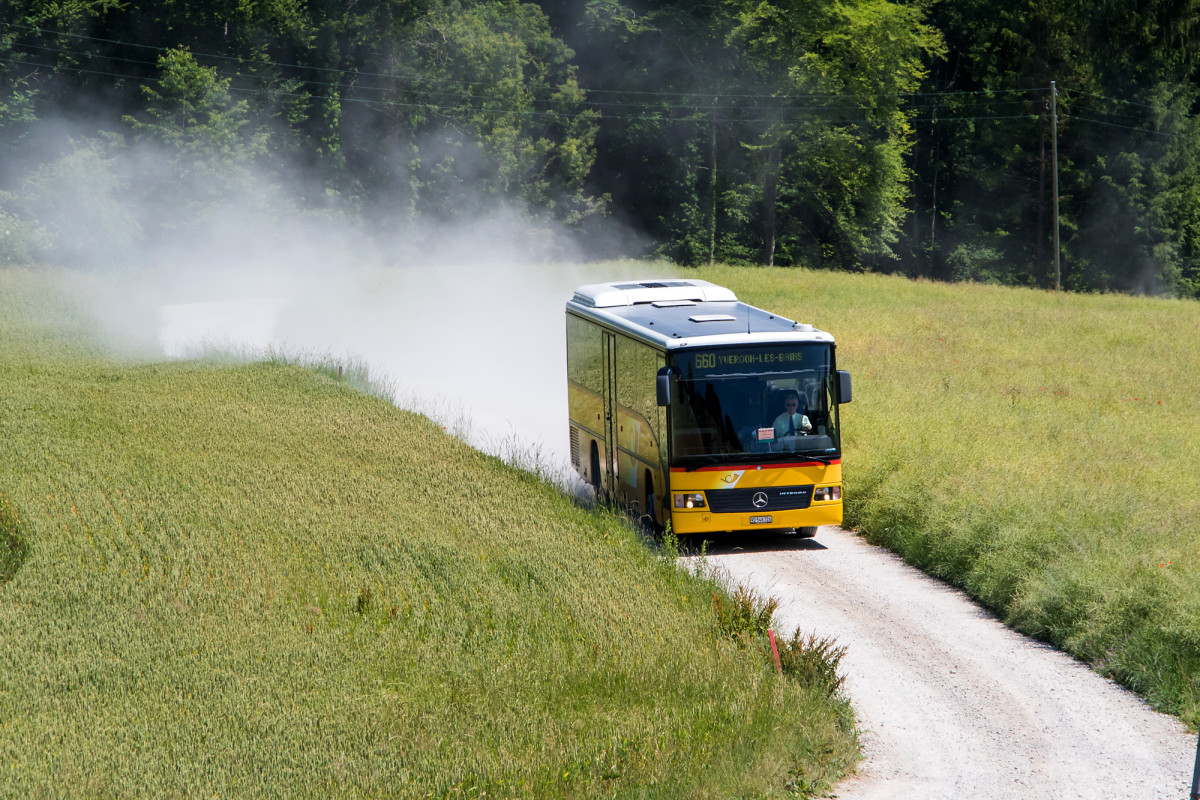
[675, 313]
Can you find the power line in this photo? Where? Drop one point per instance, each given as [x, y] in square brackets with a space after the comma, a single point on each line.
[698, 115]
[787, 113]
[424, 78]
[1110, 99]
[1115, 125]
[786, 106]
[696, 107]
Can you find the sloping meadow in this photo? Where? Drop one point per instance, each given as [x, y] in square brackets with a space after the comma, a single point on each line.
[251, 580]
[1041, 450]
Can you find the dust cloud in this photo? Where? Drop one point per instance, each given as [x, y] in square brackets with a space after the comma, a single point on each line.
[475, 343]
[461, 319]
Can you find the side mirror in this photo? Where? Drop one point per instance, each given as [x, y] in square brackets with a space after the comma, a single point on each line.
[844, 394]
[663, 385]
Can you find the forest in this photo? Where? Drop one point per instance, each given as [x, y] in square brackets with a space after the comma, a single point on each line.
[1048, 144]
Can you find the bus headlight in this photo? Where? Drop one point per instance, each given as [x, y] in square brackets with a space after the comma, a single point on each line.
[826, 493]
[690, 500]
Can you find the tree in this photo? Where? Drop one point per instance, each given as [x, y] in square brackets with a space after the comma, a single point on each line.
[666, 86]
[192, 113]
[754, 131]
[477, 105]
[834, 180]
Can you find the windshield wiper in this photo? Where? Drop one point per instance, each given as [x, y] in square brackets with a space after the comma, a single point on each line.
[814, 456]
[725, 458]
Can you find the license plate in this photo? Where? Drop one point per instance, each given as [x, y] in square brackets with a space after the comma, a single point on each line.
[760, 520]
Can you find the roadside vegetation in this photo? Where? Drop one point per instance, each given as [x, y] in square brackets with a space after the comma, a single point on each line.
[245, 580]
[1040, 450]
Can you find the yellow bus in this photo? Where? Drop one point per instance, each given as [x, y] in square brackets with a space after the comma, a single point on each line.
[694, 409]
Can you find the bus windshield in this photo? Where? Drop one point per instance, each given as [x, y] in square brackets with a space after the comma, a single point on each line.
[762, 403]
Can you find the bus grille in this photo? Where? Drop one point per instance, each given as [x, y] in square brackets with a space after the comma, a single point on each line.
[575, 446]
[778, 498]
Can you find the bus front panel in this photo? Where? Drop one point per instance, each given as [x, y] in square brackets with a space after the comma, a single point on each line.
[754, 438]
[750, 497]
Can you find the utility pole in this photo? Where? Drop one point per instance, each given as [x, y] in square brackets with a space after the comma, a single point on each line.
[1054, 158]
[712, 178]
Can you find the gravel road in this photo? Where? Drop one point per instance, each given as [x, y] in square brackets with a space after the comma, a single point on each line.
[950, 703]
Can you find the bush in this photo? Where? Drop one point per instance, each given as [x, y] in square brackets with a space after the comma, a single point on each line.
[748, 619]
[81, 201]
[745, 616]
[980, 263]
[812, 661]
[20, 239]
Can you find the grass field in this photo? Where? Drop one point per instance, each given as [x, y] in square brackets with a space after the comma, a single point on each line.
[1041, 450]
[254, 581]
[238, 580]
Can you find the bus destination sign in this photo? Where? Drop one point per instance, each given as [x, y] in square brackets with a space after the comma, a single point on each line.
[719, 362]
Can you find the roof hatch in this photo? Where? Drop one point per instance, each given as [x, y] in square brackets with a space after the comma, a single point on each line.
[630, 293]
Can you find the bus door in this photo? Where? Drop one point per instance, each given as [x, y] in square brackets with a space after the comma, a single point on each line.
[662, 490]
[610, 413]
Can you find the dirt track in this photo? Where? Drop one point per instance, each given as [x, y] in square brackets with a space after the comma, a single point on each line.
[952, 704]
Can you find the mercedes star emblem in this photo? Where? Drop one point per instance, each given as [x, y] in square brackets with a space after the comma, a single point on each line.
[760, 500]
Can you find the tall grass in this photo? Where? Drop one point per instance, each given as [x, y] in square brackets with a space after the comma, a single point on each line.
[1041, 450]
[252, 580]
[12, 545]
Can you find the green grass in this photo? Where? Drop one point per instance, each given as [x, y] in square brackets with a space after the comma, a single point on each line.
[227, 580]
[1041, 450]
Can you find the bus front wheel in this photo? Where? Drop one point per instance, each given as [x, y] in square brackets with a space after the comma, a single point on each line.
[648, 505]
[807, 533]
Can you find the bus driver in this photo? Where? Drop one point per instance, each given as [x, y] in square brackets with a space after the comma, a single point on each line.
[791, 422]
